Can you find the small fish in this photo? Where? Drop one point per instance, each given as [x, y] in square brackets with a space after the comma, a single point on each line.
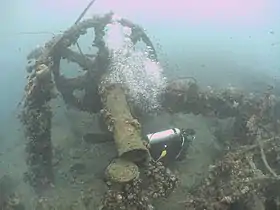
[163, 154]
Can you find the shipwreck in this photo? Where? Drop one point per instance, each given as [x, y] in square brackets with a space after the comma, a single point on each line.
[246, 176]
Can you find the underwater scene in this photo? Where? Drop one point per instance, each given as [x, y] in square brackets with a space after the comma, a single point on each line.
[140, 105]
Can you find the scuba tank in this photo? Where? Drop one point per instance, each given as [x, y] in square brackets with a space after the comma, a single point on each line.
[167, 145]
[170, 144]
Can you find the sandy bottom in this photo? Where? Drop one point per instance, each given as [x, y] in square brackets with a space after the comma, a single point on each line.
[202, 154]
[80, 166]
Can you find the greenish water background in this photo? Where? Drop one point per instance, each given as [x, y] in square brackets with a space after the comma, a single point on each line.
[242, 49]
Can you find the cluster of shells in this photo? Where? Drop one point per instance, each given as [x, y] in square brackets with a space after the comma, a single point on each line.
[108, 118]
[161, 180]
[130, 196]
[235, 182]
[12, 202]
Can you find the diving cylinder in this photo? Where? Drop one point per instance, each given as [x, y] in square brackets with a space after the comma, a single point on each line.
[171, 140]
